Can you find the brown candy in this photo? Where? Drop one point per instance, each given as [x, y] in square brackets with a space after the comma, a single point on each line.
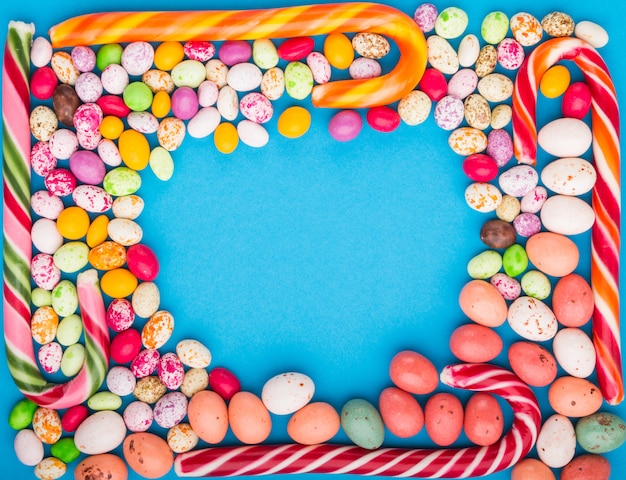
[496, 233]
[65, 101]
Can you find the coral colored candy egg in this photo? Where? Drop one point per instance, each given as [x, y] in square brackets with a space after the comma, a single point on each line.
[226, 138]
[474, 343]
[125, 346]
[142, 262]
[483, 421]
[401, 413]
[345, 125]
[249, 419]
[208, 416]
[148, 454]
[555, 81]
[224, 382]
[532, 363]
[434, 84]
[383, 118]
[552, 253]
[443, 418]
[294, 122]
[480, 167]
[572, 301]
[313, 424]
[413, 373]
[574, 397]
[338, 50]
[532, 469]
[585, 467]
[482, 303]
[576, 100]
[104, 465]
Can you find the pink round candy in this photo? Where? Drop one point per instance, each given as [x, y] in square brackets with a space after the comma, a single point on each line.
[185, 103]
[170, 409]
[84, 58]
[256, 107]
[434, 84]
[224, 382]
[88, 87]
[120, 381]
[63, 143]
[345, 125]
[449, 112]
[120, 315]
[425, 16]
[534, 200]
[60, 182]
[294, 49]
[171, 371]
[480, 167]
[49, 356]
[234, 51]
[199, 50]
[44, 271]
[145, 362]
[319, 66]
[208, 92]
[126, 345]
[113, 105]
[507, 286]
[510, 54]
[142, 262]
[43, 82]
[41, 158]
[576, 101]
[138, 416]
[500, 146]
[73, 417]
[46, 204]
[137, 57]
[383, 118]
[114, 79]
[364, 68]
[527, 224]
[87, 118]
[87, 167]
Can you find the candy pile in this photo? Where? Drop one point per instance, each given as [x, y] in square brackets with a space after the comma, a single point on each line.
[105, 114]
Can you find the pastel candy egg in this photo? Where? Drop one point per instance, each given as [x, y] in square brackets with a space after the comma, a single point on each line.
[46, 204]
[145, 363]
[527, 224]
[401, 413]
[482, 303]
[128, 206]
[468, 51]
[28, 448]
[467, 141]
[62, 64]
[146, 299]
[552, 253]
[157, 330]
[519, 180]
[244, 77]
[592, 33]
[49, 356]
[148, 455]
[383, 118]
[526, 29]
[43, 325]
[44, 272]
[601, 432]
[199, 50]
[73, 359]
[587, 467]
[195, 381]
[533, 363]
[414, 108]
[64, 298]
[569, 176]
[170, 409]
[567, 215]
[149, 389]
[298, 80]
[494, 27]
[114, 79]
[534, 200]
[273, 83]
[104, 401]
[370, 45]
[576, 100]
[501, 116]
[483, 197]
[43, 123]
[249, 419]
[50, 468]
[449, 112]
[252, 134]
[216, 72]
[101, 432]
[486, 61]
[495, 87]
[506, 286]
[483, 421]
[477, 112]
[474, 343]
[138, 416]
[224, 382]
[565, 137]
[441, 55]
[171, 133]
[443, 418]
[161, 163]
[171, 371]
[71, 257]
[363, 67]
[485, 264]
[120, 381]
[556, 443]
[118, 283]
[256, 107]
[109, 153]
[575, 352]
[235, 51]
[532, 319]
[158, 81]
[574, 397]
[558, 24]
[88, 87]
[40, 51]
[40, 297]
[294, 122]
[193, 354]
[143, 122]
[535, 284]
[69, 330]
[47, 425]
[87, 167]
[362, 424]
[184, 103]
[314, 423]
[264, 53]
[181, 438]
[345, 125]
[208, 416]
[45, 236]
[121, 181]
[413, 373]
[462, 83]
[338, 50]
[137, 57]
[120, 315]
[510, 54]
[41, 159]
[425, 16]
[126, 345]
[572, 301]
[451, 23]
[320, 67]
[287, 392]
[204, 122]
[434, 84]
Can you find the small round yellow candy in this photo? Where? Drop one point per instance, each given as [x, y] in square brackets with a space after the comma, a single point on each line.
[294, 122]
[338, 50]
[134, 149]
[161, 104]
[97, 232]
[168, 54]
[111, 127]
[73, 223]
[118, 283]
[555, 81]
[226, 138]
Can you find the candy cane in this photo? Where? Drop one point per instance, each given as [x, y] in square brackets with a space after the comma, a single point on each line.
[18, 248]
[391, 462]
[606, 196]
[294, 21]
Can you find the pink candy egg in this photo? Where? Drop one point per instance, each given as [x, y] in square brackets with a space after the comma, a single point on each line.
[145, 362]
[138, 416]
[480, 167]
[449, 112]
[506, 286]
[63, 143]
[73, 417]
[126, 345]
[199, 50]
[345, 125]
[413, 373]
[383, 118]
[92, 198]
[40, 51]
[60, 182]
[46, 204]
[400, 411]
[49, 356]
[256, 107]
[120, 315]
[170, 409]
[483, 421]
[425, 16]
[510, 54]
[44, 271]
[224, 382]
[109, 153]
[120, 381]
[208, 92]
[576, 100]
[434, 84]
[137, 57]
[527, 224]
[235, 51]
[463, 83]
[41, 159]
[43, 82]
[87, 118]
[185, 103]
[142, 262]
[294, 49]
[171, 371]
[84, 58]
[364, 68]
[320, 67]
[87, 167]
[500, 146]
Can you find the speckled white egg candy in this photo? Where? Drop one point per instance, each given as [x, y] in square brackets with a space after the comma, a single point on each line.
[43, 123]
[45, 236]
[181, 438]
[228, 103]
[532, 319]
[495, 87]
[556, 443]
[287, 393]
[92, 198]
[120, 381]
[46, 204]
[128, 206]
[463, 83]
[320, 67]
[146, 299]
[157, 330]
[519, 180]
[252, 134]
[63, 65]
[363, 67]
[565, 137]
[449, 112]
[256, 107]
[567, 215]
[41, 159]
[414, 108]
[50, 468]
[124, 231]
[193, 354]
[158, 81]
[109, 153]
[575, 352]
[88, 87]
[171, 371]
[483, 197]
[441, 55]
[138, 416]
[469, 48]
[143, 122]
[170, 409]
[171, 133]
[534, 200]
[63, 143]
[44, 272]
[216, 71]
[592, 33]
[569, 176]
[273, 83]
[49, 356]
[508, 287]
[207, 93]
[28, 448]
[137, 57]
[114, 79]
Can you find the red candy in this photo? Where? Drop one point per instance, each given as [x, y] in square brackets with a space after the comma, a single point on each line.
[73, 417]
[434, 84]
[294, 49]
[113, 105]
[383, 119]
[224, 382]
[142, 262]
[43, 82]
[480, 167]
[576, 100]
[126, 346]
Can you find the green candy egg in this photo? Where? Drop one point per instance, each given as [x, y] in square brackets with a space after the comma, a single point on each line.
[363, 424]
[189, 73]
[108, 55]
[40, 297]
[161, 163]
[514, 260]
[65, 450]
[69, 330]
[264, 53]
[104, 401]
[298, 80]
[121, 181]
[73, 359]
[65, 298]
[71, 257]
[451, 23]
[21, 415]
[494, 28]
[137, 96]
[484, 265]
[536, 284]
[601, 432]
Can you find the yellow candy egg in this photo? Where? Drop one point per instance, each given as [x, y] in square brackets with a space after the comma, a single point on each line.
[111, 127]
[168, 54]
[97, 231]
[118, 283]
[555, 81]
[161, 104]
[294, 122]
[226, 138]
[338, 50]
[134, 149]
[73, 223]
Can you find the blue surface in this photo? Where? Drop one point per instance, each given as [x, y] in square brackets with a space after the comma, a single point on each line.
[316, 256]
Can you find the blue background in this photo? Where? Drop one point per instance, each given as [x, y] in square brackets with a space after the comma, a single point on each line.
[316, 256]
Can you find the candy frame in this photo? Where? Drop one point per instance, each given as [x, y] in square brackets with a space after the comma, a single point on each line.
[526, 414]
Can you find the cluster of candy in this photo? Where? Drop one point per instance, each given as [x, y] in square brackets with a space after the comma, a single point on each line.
[188, 82]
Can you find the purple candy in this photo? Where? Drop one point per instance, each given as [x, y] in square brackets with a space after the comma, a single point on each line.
[88, 87]
[500, 146]
[527, 224]
[87, 167]
[449, 112]
[425, 16]
[235, 51]
[345, 125]
[185, 103]
[170, 409]
[84, 58]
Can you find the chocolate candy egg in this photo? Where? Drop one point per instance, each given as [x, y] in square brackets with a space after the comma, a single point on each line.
[65, 101]
[497, 233]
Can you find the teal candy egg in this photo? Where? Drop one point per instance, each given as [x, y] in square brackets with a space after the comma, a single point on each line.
[362, 424]
[601, 432]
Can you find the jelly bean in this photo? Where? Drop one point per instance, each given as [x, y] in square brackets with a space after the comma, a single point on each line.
[107, 256]
[425, 16]
[536, 284]
[134, 149]
[264, 53]
[118, 283]
[65, 450]
[71, 257]
[226, 138]
[469, 49]
[87, 167]
[463, 83]
[184, 102]
[338, 50]
[40, 52]
[519, 180]
[21, 415]
[138, 415]
[40, 297]
[224, 382]
[41, 159]
[73, 359]
[46, 204]
[97, 231]
[45, 236]
[171, 371]
[514, 260]
[555, 81]
[148, 390]
[124, 231]
[121, 181]
[199, 50]
[228, 102]
[120, 381]
[294, 49]
[434, 84]
[65, 298]
[69, 330]
[449, 112]
[508, 287]
[501, 116]
[364, 68]
[194, 381]
[161, 163]
[168, 54]
[145, 362]
[43, 82]
[111, 127]
[44, 272]
[500, 146]
[483, 197]
[345, 125]
[137, 96]
[216, 71]
[47, 425]
[73, 223]
[88, 87]
[576, 100]
[108, 54]
[273, 83]
[128, 206]
[65, 101]
[294, 122]
[43, 123]
[480, 167]
[298, 80]
[43, 325]
[486, 61]
[104, 401]
[451, 23]
[92, 198]
[383, 118]
[592, 33]
[484, 265]
[494, 27]
[235, 51]
[113, 105]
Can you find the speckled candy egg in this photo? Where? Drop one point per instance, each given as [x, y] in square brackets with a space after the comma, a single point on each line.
[50, 468]
[414, 108]
[120, 315]
[425, 16]
[510, 54]
[556, 443]
[256, 107]
[104, 465]
[575, 352]
[43, 325]
[587, 467]
[363, 67]
[181, 438]
[532, 319]
[462, 83]
[44, 272]
[88, 87]
[534, 200]
[477, 112]
[228, 102]
[508, 287]
[158, 81]
[43, 123]
[519, 180]
[194, 381]
[569, 176]
[84, 58]
[46, 204]
[171, 133]
[320, 67]
[138, 416]
[483, 197]
[120, 381]
[441, 55]
[449, 112]
[47, 425]
[483, 421]
[526, 29]
[170, 409]
[145, 362]
[137, 57]
[486, 61]
[193, 354]
[41, 159]
[199, 50]
[208, 416]
[157, 330]
[443, 418]
[501, 116]
[495, 87]
[62, 144]
[49, 356]
[362, 423]
[146, 299]
[287, 393]
[148, 455]
[467, 141]
[558, 24]
[601, 432]
[62, 64]
[171, 371]
[574, 397]
[125, 232]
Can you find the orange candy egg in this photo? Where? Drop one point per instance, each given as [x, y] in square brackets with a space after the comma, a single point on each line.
[475, 343]
[574, 397]
[401, 413]
[532, 363]
[531, 469]
[413, 373]
[107, 256]
[111, 127]
[73, 223]
[148, 454]
[118, 283]
[315, 423]
[134, 149]
[482, 303]
[208, 416]
[226, 138]
[555, 81]
[294, 122]
[168, 54]
[43, 324]
[97, 231]
[338, 50]
[249, 419]
[161, 104]
[552, 253]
